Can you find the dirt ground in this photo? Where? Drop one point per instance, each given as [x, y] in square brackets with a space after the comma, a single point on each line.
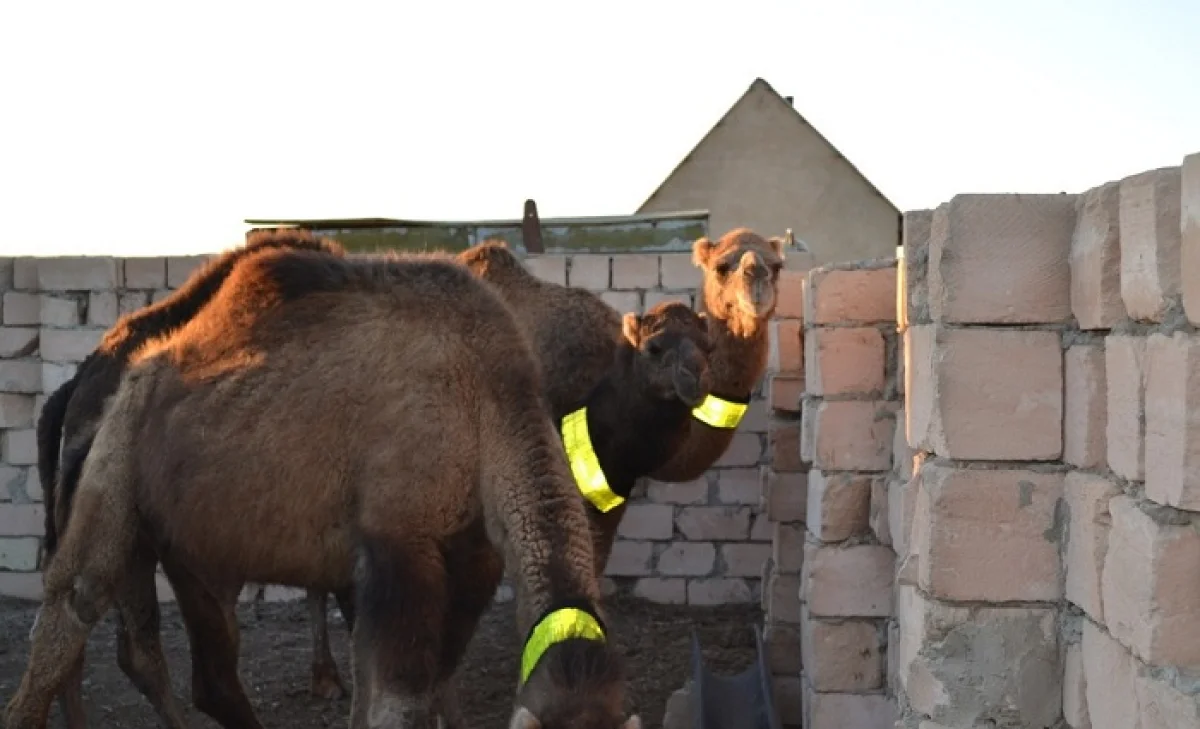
[276, 650]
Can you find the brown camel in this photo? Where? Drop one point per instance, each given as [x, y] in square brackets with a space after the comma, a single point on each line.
[206, 456]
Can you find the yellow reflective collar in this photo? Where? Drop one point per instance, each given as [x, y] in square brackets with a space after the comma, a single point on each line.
[560, 625]
[584, 464]
[720, 413]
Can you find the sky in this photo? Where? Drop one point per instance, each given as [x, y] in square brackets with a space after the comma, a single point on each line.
[150, 128]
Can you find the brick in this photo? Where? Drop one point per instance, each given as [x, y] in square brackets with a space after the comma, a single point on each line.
[788, 692]
[789, 297]
[740, 486]
[62, 312]
[55, 376]
[551, 268]
[844, 361]
[784, 393]
[687, 492]
[839, 505]
[654, 298]
[69, 345]
[16, 411]
[713, 523]
[589, 272]
[1096, 259]
[756, 418]
[853, 435]
[679, 273]
[629, 559]
[992, 536]
[1149, 586]
[1125, 436]
[1108, 672]
[786, 496]
[809, 408]
[745, 449]
[849, 582]
[760, 528]
[20, 376]
[19, 554]
[623, 301]
[1085, 407]
[131, 301]
[786, 350]
[744, 560]
[78, 273]
[985, 394]
[914, 237]
[18, 342]
[782, 645]
[841, 655]
[1150, 242]
[664, 591]
[1189, 245]
[634, 271]
[7, 264]
[878, 516]
[647, 521]
[782, 593]
[33, 486]
[21, 585]
[1087, 498]
[1001, 259]
[902, 454]
[25, 273]
[1163, 706]
[783, 437]
[20, 484]
[718, 591]
[787, 548]
[901, 504]
[21, 309]
[19, 446]
[1074, 700]
[837, 711]
[22, 520]
[145, 273]
[159, 294]
[103, 309]
[1172, 460]
[861, 296]
[181, 268]
[687, 559]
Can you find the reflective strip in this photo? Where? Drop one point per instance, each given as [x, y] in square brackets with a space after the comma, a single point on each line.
[556, 627]
[584, 464]
[720, 413]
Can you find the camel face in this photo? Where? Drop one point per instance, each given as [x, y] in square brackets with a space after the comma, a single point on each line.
[672, 346]
[741, 274]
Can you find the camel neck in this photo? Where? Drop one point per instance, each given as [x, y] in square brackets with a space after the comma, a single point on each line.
[739, 355]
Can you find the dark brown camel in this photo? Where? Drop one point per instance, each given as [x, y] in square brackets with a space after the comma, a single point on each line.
[71, 415]
[407, 455]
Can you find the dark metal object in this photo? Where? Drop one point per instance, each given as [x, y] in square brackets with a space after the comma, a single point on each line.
[743, 701]
[531, 229]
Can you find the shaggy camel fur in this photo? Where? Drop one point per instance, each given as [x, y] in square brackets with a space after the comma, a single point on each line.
[71, 415]
[412, 489]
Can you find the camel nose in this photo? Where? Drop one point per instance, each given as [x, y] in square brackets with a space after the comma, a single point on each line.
[752, 266]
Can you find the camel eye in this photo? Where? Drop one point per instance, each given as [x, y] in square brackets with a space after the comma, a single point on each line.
[776, 268]
[722, 269]
[654, 349]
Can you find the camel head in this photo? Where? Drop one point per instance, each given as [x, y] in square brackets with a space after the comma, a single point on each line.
[578, 684]
[671, 347]
[741, 275]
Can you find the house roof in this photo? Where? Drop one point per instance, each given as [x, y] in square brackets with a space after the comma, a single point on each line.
[761, 86]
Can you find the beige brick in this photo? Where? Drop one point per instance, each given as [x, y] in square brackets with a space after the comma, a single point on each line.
[19, 446]
[55, 375]
[992, 535]
[664, 591]
[1149, 586]
[687, 559]
[103, 309]
[784, 393]
[629, 559]
[623, 301]
[787, 548]
[159, 294]
[1074, 700]
[18, 342]
[914, 236]
[7, 264]
[19, 554]
[782, 593]
[844, 361]
[679, 273]
[16, 411]
[131, 301]
[902, 454]
[181, 268]
[789, 299]
[1189, 246]
[21, 585]
[1125, 436]
[1150, 242]
[760, 528]
[744, 560]
[1085, 407]
[841, 655]
[745, 449]
[853, 435]
[786, 496]
[878, 518]
[849, 582]
[78, 273]
[809, 409]
[1108, 672]
[1087, 497]
[781, 643]
[786, 352]
[654, 298]
[687, 492]
[20, 376]
[25, 273]
[756, 418]
[783, 438]
[985, 394]
[1001, 259]
[713, 523]
[863, 296]
[61, 311]
[647, 521]
[21, 309]
[718, 591]
[634, 271]
[145, 273]
[839, 505]
[840, 711]
[901, 503]
[551, 268]
[589, 272]
[1096, 259]
[740, 486]
[68, 345]
[22, 520]
[1163, 706]
[1172, 462]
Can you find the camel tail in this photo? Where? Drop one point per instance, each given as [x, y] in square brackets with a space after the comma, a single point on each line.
[49, 443]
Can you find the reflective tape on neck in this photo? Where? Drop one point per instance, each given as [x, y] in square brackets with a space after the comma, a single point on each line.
[720, 413]
[562, 624]
[585, 465]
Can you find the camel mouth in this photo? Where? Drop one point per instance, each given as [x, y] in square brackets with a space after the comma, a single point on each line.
[689, 388]
[758, 302]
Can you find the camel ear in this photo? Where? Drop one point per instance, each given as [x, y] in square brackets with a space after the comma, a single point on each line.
[701, 251]
[629, 328]
[524, 719]
[777, 244]
[633, 722]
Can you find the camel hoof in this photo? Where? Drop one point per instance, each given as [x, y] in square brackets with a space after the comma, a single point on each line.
[327, 686]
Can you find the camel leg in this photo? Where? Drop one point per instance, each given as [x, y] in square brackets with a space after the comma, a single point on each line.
[401, 601]
[325, 680]
[70, 700]
[213, 635]
[345, 602]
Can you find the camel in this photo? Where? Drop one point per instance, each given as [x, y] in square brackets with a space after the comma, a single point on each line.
[414, 491]
[71, 415]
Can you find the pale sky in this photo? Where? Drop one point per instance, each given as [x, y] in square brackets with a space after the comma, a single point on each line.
[142, 128]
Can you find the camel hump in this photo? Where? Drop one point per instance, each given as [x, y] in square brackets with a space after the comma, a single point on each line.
[492, 257]
[298, 238]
